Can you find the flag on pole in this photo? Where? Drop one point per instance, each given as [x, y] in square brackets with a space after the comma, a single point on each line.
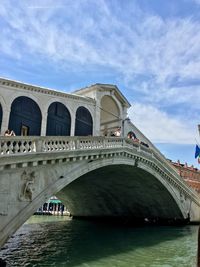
[197, 151]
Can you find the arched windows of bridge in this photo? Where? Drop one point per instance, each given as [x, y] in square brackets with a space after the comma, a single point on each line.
[58, 120]
[27, 117]
[111, 114]
[83, 122]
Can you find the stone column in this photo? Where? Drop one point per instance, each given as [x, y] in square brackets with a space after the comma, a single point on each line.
[5, 120]
[124, 116]
[73, 118]
[44, 123]
[97, 118]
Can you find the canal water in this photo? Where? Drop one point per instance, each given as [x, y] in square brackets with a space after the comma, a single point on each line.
[60, 241]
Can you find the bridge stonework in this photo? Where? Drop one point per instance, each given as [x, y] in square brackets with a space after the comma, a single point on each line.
[93, 176]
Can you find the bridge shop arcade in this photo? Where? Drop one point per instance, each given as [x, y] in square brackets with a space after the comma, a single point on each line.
[32, 110]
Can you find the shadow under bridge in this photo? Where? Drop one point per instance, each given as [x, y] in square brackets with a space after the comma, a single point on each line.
[122, 191]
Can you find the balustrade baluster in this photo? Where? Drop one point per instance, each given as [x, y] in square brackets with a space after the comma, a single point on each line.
[31, 146]
[77, 144]
[26, 145]
[10, 151]
[17, 147]
[64, 145]
[21, 147]
[58, 146]
[5, 147]
[48, 145]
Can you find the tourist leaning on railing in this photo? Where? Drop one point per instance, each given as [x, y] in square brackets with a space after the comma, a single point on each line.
[9, 133]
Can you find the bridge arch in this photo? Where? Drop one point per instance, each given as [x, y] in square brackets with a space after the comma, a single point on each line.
[102, 195]
[151, 196]
[83, 122]
[107, 186]
[58, 120]
[25, 116]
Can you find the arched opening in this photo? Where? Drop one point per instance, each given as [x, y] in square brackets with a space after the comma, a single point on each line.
[110, 115]
[103, 193]
[83, 123]
[1, 115]
[25, 117]
[58, 120]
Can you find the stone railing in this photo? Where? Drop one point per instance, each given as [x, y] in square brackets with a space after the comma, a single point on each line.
[17, 144]
[21, 145]
[14, 145]
[37, 144]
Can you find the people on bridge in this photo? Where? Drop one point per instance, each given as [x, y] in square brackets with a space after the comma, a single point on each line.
[9, 133]
[144, 144]
[117, 133]
[131, 135]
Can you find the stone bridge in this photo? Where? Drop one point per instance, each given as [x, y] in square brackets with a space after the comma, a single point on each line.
[93, 176]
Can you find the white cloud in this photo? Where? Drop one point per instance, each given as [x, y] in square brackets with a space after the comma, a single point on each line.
[197, 1]
[91, 33]
[159, 127]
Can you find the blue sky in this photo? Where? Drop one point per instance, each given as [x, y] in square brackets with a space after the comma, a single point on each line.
[149, 48]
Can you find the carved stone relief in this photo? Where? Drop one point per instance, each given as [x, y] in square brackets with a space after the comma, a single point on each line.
[27, 186]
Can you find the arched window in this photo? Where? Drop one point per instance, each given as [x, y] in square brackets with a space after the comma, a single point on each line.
[25, 116]
[1, 115]
[110, 118]
[83, 124]
[58, 120]
[109, 110]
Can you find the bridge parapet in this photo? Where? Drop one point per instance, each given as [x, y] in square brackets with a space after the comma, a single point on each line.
[21, 145]
[33, 144]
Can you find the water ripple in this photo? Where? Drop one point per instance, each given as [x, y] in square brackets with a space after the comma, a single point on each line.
[72, 243]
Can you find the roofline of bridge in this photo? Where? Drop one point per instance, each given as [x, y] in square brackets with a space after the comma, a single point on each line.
[41, 89]
[109, 87]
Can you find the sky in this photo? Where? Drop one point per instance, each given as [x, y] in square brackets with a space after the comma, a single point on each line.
[150, 49]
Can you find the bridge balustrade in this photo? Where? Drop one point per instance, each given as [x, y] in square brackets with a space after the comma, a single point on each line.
[18, 145]
[12, 145]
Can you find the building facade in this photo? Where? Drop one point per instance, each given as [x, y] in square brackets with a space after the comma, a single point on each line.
[190, 174]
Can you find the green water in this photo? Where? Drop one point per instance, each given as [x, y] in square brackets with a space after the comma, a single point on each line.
[59, 241]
